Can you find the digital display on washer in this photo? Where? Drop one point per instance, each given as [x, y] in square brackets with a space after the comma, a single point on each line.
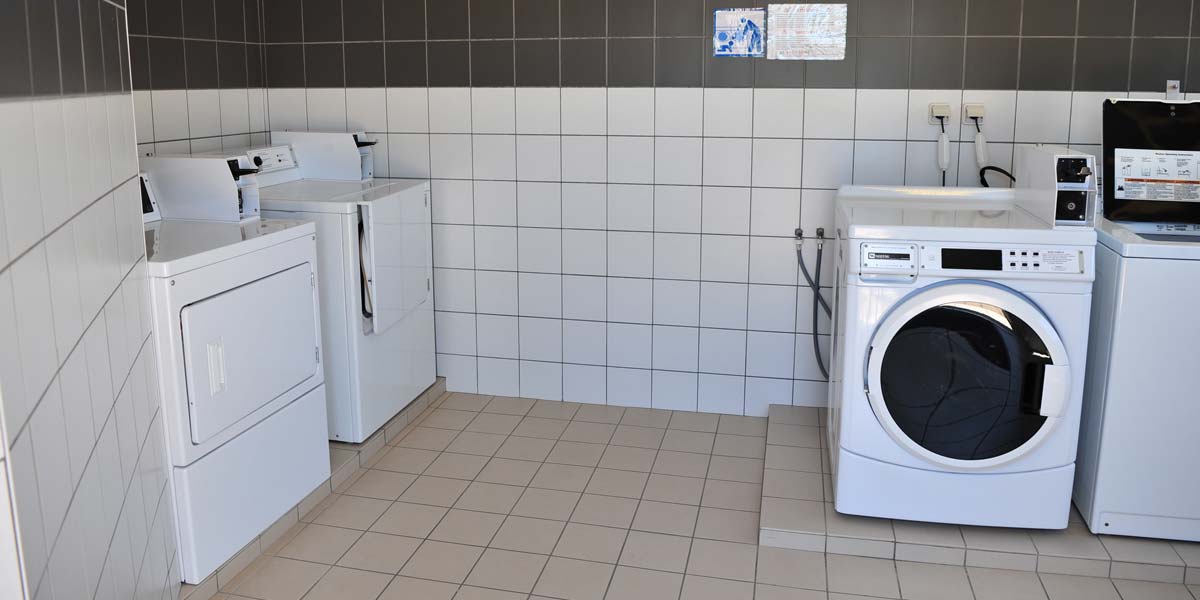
[972, 259]
[889, 256]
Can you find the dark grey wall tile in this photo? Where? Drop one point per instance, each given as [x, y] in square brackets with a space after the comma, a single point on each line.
[584, 18]
[283, 65]
[726, 71]
[93, 46]
[322, 21]
[404, 19]
[231, 65]
[201, 59]
[1046, 63]
[1155, 60]
[883, 63]
[406, 64]
[43, 47]
[679, 17]
[364, 65]
[164, 17]
[779, 73]
[281, 20]
[630, 17]
[679, 62]
[135, 12]
[110, 30]
[537, 63]
[492, 64]
[167, 71]
[1102, 65]
[885, 17]
[991, 64]
[631, 62]
[1105, 17]
[584, 63]
[491, 19]
[139, 56]
[324, 65]
[1049, 17]
[831, 73]
[70, 47]
[447, 20]
[231, 20]
[123, 54]
[994, 17]
[937, 63]
[449, 64]
[256, 75]
[1162, 17]
[254, 27]
[939, 17]
[1192, 85]
[536, 18]
[199, 19]
[362, 20]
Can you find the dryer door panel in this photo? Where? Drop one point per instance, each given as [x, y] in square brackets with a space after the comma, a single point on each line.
[247, 346]
[396, 249]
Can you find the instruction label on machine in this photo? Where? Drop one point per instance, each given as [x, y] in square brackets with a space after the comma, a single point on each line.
[1166, 175]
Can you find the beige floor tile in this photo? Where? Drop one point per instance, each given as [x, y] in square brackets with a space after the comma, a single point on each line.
[489, 497]
[382, 485]
[352, 512]
[576, 453]
[591, 542]
[736, 425]
[494, 423]
[928, 534]
[731, 468]
[320, 544]
[693, 421]
[1189, 552]
[1072, 587]
[467, 527]
[349, 584]
[508, 471]
[593, 433]
[804, 436]
[696, 587]
[629, 458]
[555, 409]
[406, 460]
[407, 588]
[456, 466]
[427, 438]
[725, 560]
[794, 415]
[509, 406]
[996, 584]
[1140, 550]
[854, 526]
[525, 534]
[646, 417]
[569, 478]
[464, 401]
[727, 525]
[1069, 543]
[656, 551]
[413, 520]
[791, 458]
[638, 437]
[546, 504]
[274, 578]
[598, 413]
[467, 592]
[1147, 590]
[791, 568]
[664, 517]
[445, 418]
[793, 484]
[920, 581]
[525, 448]
[775, 592]
[572, 579]
[996, 539]
[380, 552]
[744, 446]
[540, 428]
[684, 464]
[731, 494]
[473, 442]
[859, 575]
[438, 491]
[679, 440]
[442, 561]
[507, 570]
[605, 510]
[673, 488]
[609, 482]
[629, 583]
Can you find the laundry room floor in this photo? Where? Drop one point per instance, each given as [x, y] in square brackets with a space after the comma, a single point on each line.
[493, 498]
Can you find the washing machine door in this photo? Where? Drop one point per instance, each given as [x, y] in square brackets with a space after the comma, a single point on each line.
[968, 375]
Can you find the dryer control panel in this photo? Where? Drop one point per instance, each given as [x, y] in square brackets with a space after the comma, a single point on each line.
[1034, 259]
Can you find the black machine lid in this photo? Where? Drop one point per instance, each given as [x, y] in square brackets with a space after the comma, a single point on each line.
[1140, 130]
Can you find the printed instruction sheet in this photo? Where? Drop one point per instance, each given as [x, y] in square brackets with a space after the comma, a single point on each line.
[1168, 175]
[806, 31]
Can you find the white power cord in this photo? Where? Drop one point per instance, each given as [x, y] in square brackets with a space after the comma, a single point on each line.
[943, 150]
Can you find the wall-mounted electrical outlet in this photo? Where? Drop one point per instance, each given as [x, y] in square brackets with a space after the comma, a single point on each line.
[936, 111]
[973, 111]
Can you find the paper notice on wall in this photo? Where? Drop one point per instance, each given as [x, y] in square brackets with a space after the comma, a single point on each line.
[739, 32]
[1166, 175]
[806, 31]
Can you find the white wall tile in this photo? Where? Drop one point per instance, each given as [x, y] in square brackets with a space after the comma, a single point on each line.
[677, 208]
[541, 339]
[95, 344]
[539, 158]
[450, 110]
[676, 302]
[497, 336]
[584, 205]
[454, 289]
[287, 108]
[366, 109]
[499, 377]
[919, 127]
[1086, 116]
[541, 380]
[16, 397]
[677, 255]
[171, 112]
[495, 202]
[630, 254]
[494, 156]
[257, 102]
[539, 295]
[723, 351]
[584, 252]
[584, 297]
[539, 204]
[724, 258]
[774, 211]
[723, 305]
[829, 164]
[204, 112]
[999, 155]
[539, 250]
[629, 345]
[449, 156]
[674, 391]
[28, 507]
[810, 393]
[453, 201]
[1000, 119]
[77, 171]
[721, 393]
[584, 384]
[35, 318]
[496, 292]
[727, 161]
[19, 179]
[816, 210]
[679, 111]
[726, 210]
[881, 115]
[49, 431]
[676, 348]
[879, 163]
[1043, 117]
[630, 207]
[630, 300]
[584, 158]
[773, 260]
[538, 110]
[51, 147]
[829, 114]
[460, 372]
[803, 305]
[728, 112]
[921, 164]
[496, 248]
[453, 247]
[630, 159]
[806, 362]
[631, 111]
[143, 110]
[777, 163]
[678, 160]
[64, 286]
[493, 110]
[584, 342]
[779, 113]
[762, 393]
[772, 308]
[629, 387]
[770, 354]
[235, 111]
[408, 110]
[584, 111]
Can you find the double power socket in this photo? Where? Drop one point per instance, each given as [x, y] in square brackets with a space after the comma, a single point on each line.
[944, 111]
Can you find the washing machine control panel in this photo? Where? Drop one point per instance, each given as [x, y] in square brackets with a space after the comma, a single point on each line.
[1034, 259]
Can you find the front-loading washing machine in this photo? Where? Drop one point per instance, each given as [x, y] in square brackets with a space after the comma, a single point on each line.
[960, 336]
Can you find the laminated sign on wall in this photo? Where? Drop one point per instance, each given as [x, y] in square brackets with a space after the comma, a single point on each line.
[806, 31]
[739, 32]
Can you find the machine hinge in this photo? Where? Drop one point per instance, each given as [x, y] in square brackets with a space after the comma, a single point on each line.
[317, 354]
[428, 286]
[312, 279]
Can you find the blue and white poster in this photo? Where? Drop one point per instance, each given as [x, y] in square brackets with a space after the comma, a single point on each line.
[739, 32]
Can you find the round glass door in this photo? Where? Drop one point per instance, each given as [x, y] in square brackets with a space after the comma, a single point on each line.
[965, 378]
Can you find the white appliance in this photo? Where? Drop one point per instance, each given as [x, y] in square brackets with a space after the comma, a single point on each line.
[375, 254]
[960, 334]
[238, 348]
